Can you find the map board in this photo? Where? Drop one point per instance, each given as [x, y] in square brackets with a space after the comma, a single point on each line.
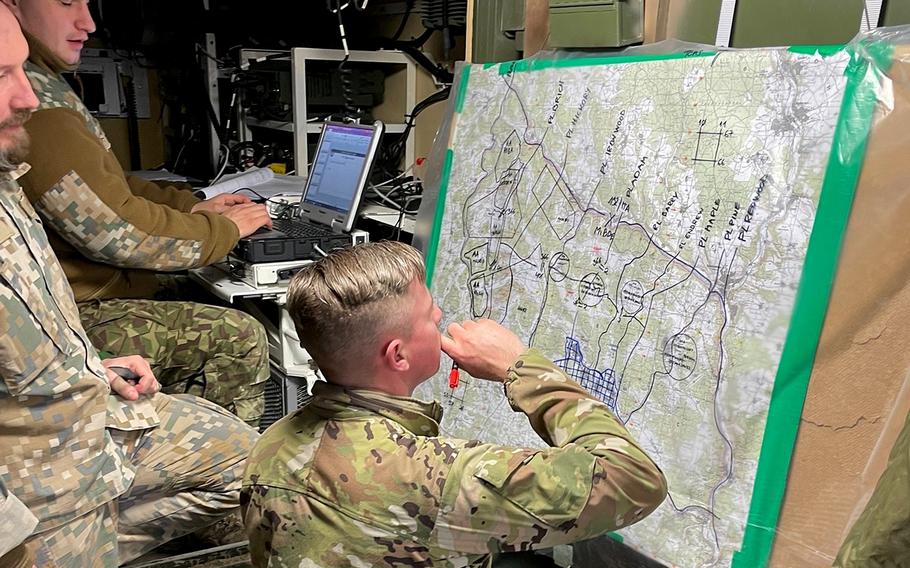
[666, 229]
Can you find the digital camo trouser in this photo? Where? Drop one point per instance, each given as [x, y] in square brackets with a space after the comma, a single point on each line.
[217, 353]
[188, 475]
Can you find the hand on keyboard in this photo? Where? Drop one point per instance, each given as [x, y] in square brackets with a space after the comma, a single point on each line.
[249, 217]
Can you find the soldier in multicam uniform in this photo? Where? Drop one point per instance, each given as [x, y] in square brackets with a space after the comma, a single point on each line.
[94, 471]
[113, 233]
[360, 476]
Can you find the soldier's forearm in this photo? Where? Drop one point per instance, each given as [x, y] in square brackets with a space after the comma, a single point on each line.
[559, 409]
[562, 413]
[85, 197]
[180, 198]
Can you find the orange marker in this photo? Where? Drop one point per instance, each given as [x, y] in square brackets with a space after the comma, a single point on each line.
[453, 376]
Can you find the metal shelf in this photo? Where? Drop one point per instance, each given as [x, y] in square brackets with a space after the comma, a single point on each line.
[311, 127]
[284, 126]
[395, 61]
[395, 128]
[299, 58]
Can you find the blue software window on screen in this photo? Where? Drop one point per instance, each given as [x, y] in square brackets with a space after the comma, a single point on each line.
[336, 171]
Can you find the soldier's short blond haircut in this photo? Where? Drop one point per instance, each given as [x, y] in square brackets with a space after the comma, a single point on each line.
[344, 303]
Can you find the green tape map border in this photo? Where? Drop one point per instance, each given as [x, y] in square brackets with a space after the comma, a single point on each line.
[525, 65]
[433, 247]
[835, 202]
[798, 356]
[462, 88]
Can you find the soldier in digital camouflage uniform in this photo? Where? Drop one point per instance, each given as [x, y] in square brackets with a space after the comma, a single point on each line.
[360, 476]
[113, 233]
[93, 471]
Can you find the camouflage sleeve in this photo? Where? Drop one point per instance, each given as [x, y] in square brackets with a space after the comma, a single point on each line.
[594, 480]
[881, 535]
[16, 522]
[181, 199]
[80, 190]
[270, 516]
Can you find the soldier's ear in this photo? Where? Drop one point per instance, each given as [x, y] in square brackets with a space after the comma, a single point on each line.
[393, 356]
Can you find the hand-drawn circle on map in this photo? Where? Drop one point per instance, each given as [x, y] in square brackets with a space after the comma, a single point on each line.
[680, 356]
[591, 289]
[559, 267]
[632, 296]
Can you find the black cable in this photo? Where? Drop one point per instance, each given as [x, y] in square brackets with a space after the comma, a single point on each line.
[132, 123]
[396, 150]
[447, 42]
[438, 71]
[256, 158]
[419, 40]
[260, 196]
[412, 48]
[399, 224]
[213, 116]
[404, 20]
[431, 100]
[201, 51]
[180, 153]
[351, 112]
[222, 129]
[411, 190]
[437, 97]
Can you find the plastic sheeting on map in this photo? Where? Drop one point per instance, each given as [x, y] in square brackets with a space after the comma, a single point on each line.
[859, 391]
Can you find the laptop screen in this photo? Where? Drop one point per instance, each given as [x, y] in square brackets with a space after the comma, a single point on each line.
[336, 172]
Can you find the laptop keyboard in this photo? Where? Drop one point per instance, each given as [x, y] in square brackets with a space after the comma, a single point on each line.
[294, 228]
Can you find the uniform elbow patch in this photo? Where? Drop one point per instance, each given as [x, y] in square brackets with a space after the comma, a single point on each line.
[81, 218]
[551, 485]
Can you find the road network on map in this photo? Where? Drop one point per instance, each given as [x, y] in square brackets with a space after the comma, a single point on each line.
[645, 225]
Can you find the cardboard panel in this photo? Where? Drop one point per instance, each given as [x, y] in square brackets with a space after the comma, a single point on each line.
[856, 402]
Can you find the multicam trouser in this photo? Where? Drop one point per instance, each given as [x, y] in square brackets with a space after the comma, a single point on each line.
[210, 351]
[188, 475]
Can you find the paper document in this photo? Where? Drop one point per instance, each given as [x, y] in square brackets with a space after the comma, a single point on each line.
[257, 182]
[159, 175]
[231, 183]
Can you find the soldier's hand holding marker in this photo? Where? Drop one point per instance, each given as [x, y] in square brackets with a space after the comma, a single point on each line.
[482, 348]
